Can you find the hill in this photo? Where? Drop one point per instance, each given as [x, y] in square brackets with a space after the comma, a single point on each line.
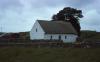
[85, 34]
[90, 38]
[15, 54]
[89, 35]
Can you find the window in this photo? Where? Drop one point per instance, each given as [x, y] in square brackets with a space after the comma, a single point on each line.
[59, 37]
[36, 29]
[65, 37]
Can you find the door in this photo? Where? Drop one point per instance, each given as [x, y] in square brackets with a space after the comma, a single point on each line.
[59, 37]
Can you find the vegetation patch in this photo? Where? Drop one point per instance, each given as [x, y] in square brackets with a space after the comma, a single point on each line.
[21, 54]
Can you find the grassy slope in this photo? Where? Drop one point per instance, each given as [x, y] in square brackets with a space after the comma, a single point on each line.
[89, 35]
[49, 55]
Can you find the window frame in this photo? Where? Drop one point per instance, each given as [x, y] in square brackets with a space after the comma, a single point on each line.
[51, 37]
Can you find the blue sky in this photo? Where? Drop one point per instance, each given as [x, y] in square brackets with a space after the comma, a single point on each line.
[20, 15]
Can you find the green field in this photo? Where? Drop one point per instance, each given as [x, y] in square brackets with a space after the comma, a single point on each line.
[19, 54]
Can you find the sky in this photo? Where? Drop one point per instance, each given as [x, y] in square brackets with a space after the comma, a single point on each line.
[20, 15]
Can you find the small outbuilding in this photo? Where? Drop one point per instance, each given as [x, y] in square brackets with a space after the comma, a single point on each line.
[53, 30]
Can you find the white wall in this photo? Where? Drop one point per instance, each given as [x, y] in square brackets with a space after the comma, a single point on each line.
[36, 35]
[69, 37]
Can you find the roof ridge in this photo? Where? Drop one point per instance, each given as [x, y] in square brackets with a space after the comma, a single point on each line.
[42, 20]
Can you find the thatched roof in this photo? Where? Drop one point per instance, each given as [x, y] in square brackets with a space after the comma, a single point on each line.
[57, 27]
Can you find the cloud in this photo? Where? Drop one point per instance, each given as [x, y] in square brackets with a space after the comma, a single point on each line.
[91, 20]
[5, 4]
[20, 15]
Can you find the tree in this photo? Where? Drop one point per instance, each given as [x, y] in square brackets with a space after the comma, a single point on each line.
[71, 15]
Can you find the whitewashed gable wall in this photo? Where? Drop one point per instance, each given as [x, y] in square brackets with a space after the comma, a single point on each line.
[36, 32]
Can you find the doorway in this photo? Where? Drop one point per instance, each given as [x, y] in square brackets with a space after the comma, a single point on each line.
[59, 37]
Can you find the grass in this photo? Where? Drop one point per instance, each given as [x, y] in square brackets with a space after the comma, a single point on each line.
[18, 54]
